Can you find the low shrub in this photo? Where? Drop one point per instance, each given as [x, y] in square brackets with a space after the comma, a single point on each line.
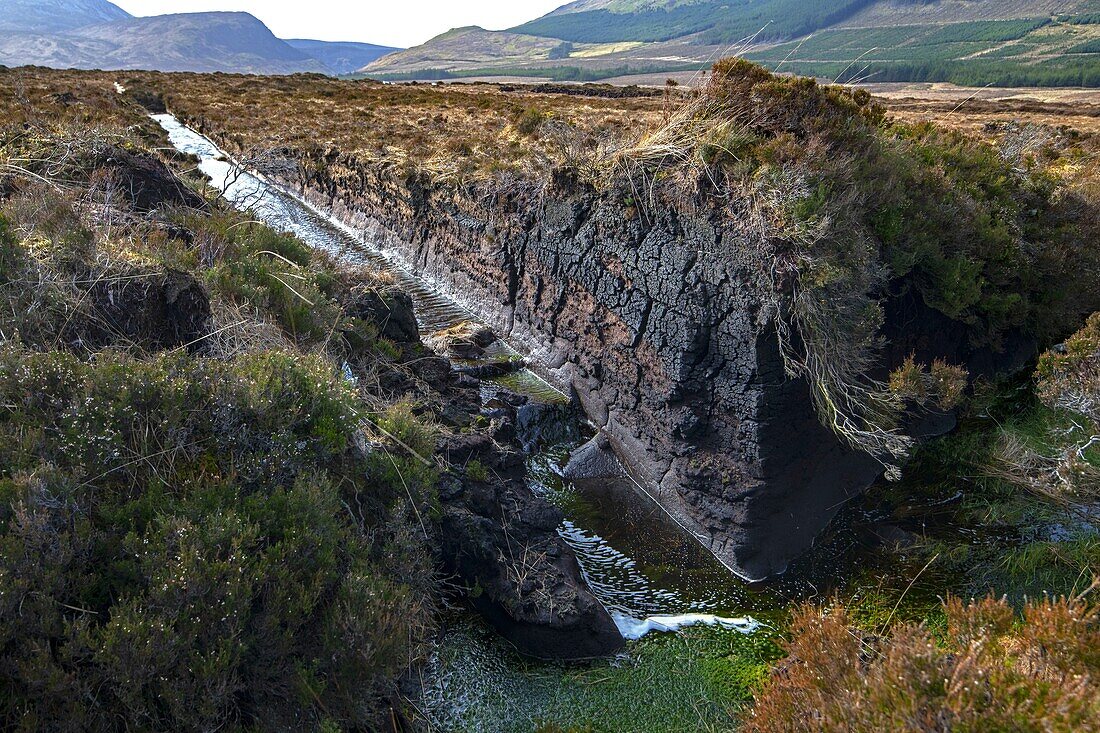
[941, 384]
[1061, 459]
[36, 303]
[194, 534]
[477, 471]
[529, 121]
[1069, 375]
[178, 548]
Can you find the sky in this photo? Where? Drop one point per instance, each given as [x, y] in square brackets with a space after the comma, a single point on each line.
[401, 23]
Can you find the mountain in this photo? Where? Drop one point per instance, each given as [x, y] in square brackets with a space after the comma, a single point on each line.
[53, 16]
[231, 42]
[999, 42]
[341, 57]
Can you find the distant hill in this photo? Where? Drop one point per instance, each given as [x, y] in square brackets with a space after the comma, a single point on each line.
[462, 47]
[999, 42]
[231, 42]
[53, 16]
[341, 57]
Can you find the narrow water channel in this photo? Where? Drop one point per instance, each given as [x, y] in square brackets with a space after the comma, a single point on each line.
[647, 572]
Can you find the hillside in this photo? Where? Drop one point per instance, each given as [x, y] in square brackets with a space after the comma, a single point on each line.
[341, 57]
[720, 21]
[1044, 51]
[53, 16]
[1038, 42]
[231, 42]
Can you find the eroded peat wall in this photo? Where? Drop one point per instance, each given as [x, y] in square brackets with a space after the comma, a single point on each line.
[658, 321]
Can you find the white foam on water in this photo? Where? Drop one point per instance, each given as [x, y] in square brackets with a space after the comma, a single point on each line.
[632, 628]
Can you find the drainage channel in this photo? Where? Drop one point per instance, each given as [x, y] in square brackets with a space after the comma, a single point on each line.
[647, 572]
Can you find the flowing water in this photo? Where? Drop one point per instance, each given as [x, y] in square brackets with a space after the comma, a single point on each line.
[647, 572]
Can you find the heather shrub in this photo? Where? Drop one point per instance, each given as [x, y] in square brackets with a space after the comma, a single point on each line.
[1060, 460]
[1069, 375]
[529, 121]
[178, 549]
[988, 670]
[37, 301]
[941, 385]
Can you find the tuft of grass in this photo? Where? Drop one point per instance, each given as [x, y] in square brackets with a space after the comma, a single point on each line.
[529, 121]
[248, 263]
[476, 471]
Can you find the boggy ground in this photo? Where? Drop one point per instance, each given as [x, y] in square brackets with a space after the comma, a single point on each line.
[1003, 505]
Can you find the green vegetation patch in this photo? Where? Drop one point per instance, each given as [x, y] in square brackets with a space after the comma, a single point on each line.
[698, 679]
[990, 517]
[194, 533]
[1033, 52]
[553, 73]
[1092, 46]
[985, 31]
[251, 264]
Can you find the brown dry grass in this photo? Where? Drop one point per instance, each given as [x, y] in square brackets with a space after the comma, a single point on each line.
[970, 110]
[49, 97]
[477, 127]
[988, 671]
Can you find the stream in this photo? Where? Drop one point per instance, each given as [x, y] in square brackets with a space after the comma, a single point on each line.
[648, 573]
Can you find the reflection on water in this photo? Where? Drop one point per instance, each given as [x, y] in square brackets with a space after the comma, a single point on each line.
[638, 563]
